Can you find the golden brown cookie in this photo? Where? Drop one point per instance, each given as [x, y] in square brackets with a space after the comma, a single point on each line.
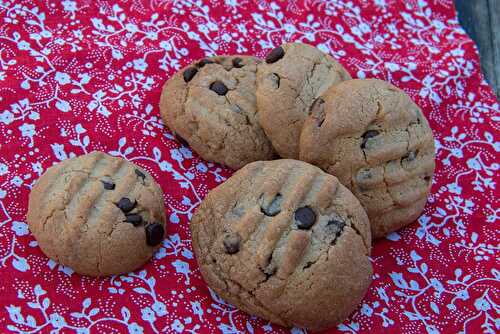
[211, 105]
[97, 214]
[376, 140]
[291, 78]
[285, 241]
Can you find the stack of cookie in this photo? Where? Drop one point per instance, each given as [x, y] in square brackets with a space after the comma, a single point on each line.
[289, 240]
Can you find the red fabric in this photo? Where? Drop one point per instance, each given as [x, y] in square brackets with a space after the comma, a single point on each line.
[77, 77]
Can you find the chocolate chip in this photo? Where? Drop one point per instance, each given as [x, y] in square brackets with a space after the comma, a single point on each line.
[337, 225]
[140, 174]
[275, 55]
[154, 234]
[238, 62]
[204, 62]
[189, 73]
[133, 218]
[219, 87]
[274, 207]
[367, 135]
[126, 205]
[108, 185]
[232, 243]
[427, 179]
[305, 217]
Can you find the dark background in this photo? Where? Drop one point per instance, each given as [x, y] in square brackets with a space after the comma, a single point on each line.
[481, 20]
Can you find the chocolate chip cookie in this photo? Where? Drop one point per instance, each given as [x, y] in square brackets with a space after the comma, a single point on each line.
[291, 78]
[97, 214]
[211, 104]
[285, 241]
[376, 140]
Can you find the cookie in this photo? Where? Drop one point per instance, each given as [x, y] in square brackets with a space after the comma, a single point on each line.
[285, 241]
[376, 140]
[291, 78]
[97, 214]
[211, 104]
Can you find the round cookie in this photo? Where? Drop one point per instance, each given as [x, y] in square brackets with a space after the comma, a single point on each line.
[97, 214]
[285, 241]
[376, 140]
[211, 104]
[291, 78]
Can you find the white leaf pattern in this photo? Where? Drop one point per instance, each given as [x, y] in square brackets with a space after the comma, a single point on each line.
[78, 76]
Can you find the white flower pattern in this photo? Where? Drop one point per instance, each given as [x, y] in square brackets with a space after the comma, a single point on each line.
[78, 76]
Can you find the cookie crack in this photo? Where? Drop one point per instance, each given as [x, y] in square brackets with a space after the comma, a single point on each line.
[49, 217]
[297, 93]
[218, 270]
[356, 230]
[248, 123]
[292, 87]
[364, 157]
[380, 109]
[282, 288]
[309, 77]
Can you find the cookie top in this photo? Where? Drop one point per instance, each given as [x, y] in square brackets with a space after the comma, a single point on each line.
[211, 104]
[376, 140]
[285, 241]
[97, 214]
[291, 78]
